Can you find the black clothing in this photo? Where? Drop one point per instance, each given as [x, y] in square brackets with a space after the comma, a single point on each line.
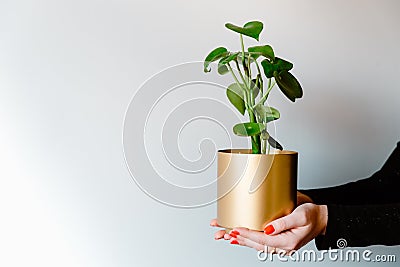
[365, 212]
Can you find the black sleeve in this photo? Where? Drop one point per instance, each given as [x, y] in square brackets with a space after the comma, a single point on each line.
[365, 212]
[361, 225]
[382, 187]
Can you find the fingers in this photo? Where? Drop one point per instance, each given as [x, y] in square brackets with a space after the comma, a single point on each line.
[261, 238]
[271, 240]
[237, 239]
[227, 236]
[219, 234]
[293, 220]
[242, 241]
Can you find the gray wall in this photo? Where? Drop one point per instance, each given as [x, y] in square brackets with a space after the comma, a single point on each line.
[68, 70]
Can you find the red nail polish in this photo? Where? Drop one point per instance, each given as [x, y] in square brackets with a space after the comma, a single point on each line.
[269, 229]
[234, 242]
[235, 232]
[233, 235]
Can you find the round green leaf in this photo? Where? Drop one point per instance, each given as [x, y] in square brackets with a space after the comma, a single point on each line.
[289, 85]
[234, 92]
[251, 29]
[265, 50]
[222, 69]
[267, 114]
[214, 55]
[248, 128]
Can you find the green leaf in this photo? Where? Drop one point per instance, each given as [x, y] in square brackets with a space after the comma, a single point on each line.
[251, 29]
[289, 85]
[267, 114]
[222, 69]
[234, 92]
[276, 65]
[248, 128]
[265, 50]
[254, 55]
[268, 68]
[214, 55]
[274, 143]
[282, 64]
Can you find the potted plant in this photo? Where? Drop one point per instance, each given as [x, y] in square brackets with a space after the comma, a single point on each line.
[257, 185]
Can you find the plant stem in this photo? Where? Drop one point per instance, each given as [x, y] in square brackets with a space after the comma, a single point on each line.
[251, 98]
[255, 140]
[233, 74]
[257, 85]
[245, 93]
[249, 69]
[251, 115]
[255, 148]
[264, 138]
[263, 146]
[258, 67]
[260, 79]
[242, 44]
[264, 98]
[246, 69]
[241, 76]
[246, 102]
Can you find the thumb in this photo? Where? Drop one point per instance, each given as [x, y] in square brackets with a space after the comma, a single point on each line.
[287, 222]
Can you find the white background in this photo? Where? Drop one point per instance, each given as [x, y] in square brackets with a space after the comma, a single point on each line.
[68, 70]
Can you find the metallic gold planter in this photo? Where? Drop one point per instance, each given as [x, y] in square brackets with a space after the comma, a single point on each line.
[254, 189]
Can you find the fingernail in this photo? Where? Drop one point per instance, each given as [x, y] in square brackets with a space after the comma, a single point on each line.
[234, 242]
[269, 229]
[233, 235]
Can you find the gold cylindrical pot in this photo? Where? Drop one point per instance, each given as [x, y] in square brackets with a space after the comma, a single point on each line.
[254, 189]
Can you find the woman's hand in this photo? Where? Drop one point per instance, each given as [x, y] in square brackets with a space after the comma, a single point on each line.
[287, 233]
[301, 198]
